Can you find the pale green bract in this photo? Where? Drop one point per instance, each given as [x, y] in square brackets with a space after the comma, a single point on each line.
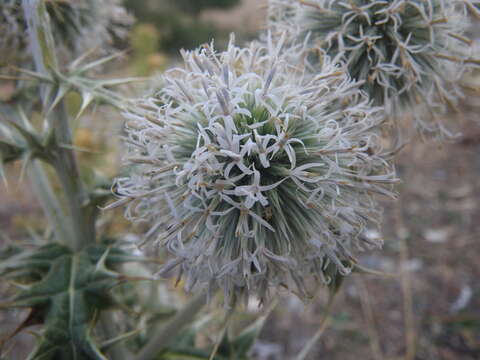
[253, 175]
[411, 54]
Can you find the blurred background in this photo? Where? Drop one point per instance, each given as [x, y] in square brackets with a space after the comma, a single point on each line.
[428, 309]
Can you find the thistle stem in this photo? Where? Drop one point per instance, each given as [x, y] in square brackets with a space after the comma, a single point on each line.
[77, 199]
[43, 51]
[81, 226]
[165, 334]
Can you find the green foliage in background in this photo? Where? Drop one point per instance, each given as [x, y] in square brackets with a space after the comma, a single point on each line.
[145, 42]
[178, 26]
[195, 7]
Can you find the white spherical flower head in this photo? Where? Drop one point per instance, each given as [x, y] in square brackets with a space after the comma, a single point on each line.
[251, 175]
[77, 26]
[410, 54]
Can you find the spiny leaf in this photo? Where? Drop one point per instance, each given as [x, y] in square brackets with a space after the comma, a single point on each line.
[60, 92]
[34, 75]
[34, 145]
[73, 288]
[67, 299]
[15, 261]
[29, 135]
[79, 60]
[87, 99]
[115, 256]
[97, 63]
[115, 82]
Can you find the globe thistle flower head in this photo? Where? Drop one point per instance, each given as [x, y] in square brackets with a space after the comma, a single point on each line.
[251, 174]
[410, 53]
[77, 26]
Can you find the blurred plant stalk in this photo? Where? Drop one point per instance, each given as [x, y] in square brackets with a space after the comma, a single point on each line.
[164, 335]
[82, 231]
[75, 228]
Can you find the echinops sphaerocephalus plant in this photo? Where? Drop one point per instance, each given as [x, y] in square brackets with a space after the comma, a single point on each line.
[250, 173]
[77, 26]
[411, 54]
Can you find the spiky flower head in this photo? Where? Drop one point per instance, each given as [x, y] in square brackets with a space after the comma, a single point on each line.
[77, 26]
[411, 54]
[251, 174]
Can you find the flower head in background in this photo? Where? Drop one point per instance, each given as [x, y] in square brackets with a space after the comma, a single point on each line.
[251, 174]
[13, 40]
[410, 54]
[77, 26]
[86, 24]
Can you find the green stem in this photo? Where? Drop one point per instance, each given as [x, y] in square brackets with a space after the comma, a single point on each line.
[77, 200]
[165, 334]
[43, 51]
[81, 232]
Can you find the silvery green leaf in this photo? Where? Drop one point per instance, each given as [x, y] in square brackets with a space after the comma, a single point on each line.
[64, 291]
[67, 298]
[33, 142]
[16, 260]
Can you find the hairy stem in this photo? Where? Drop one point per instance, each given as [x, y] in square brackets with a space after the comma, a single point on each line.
[165, 334]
